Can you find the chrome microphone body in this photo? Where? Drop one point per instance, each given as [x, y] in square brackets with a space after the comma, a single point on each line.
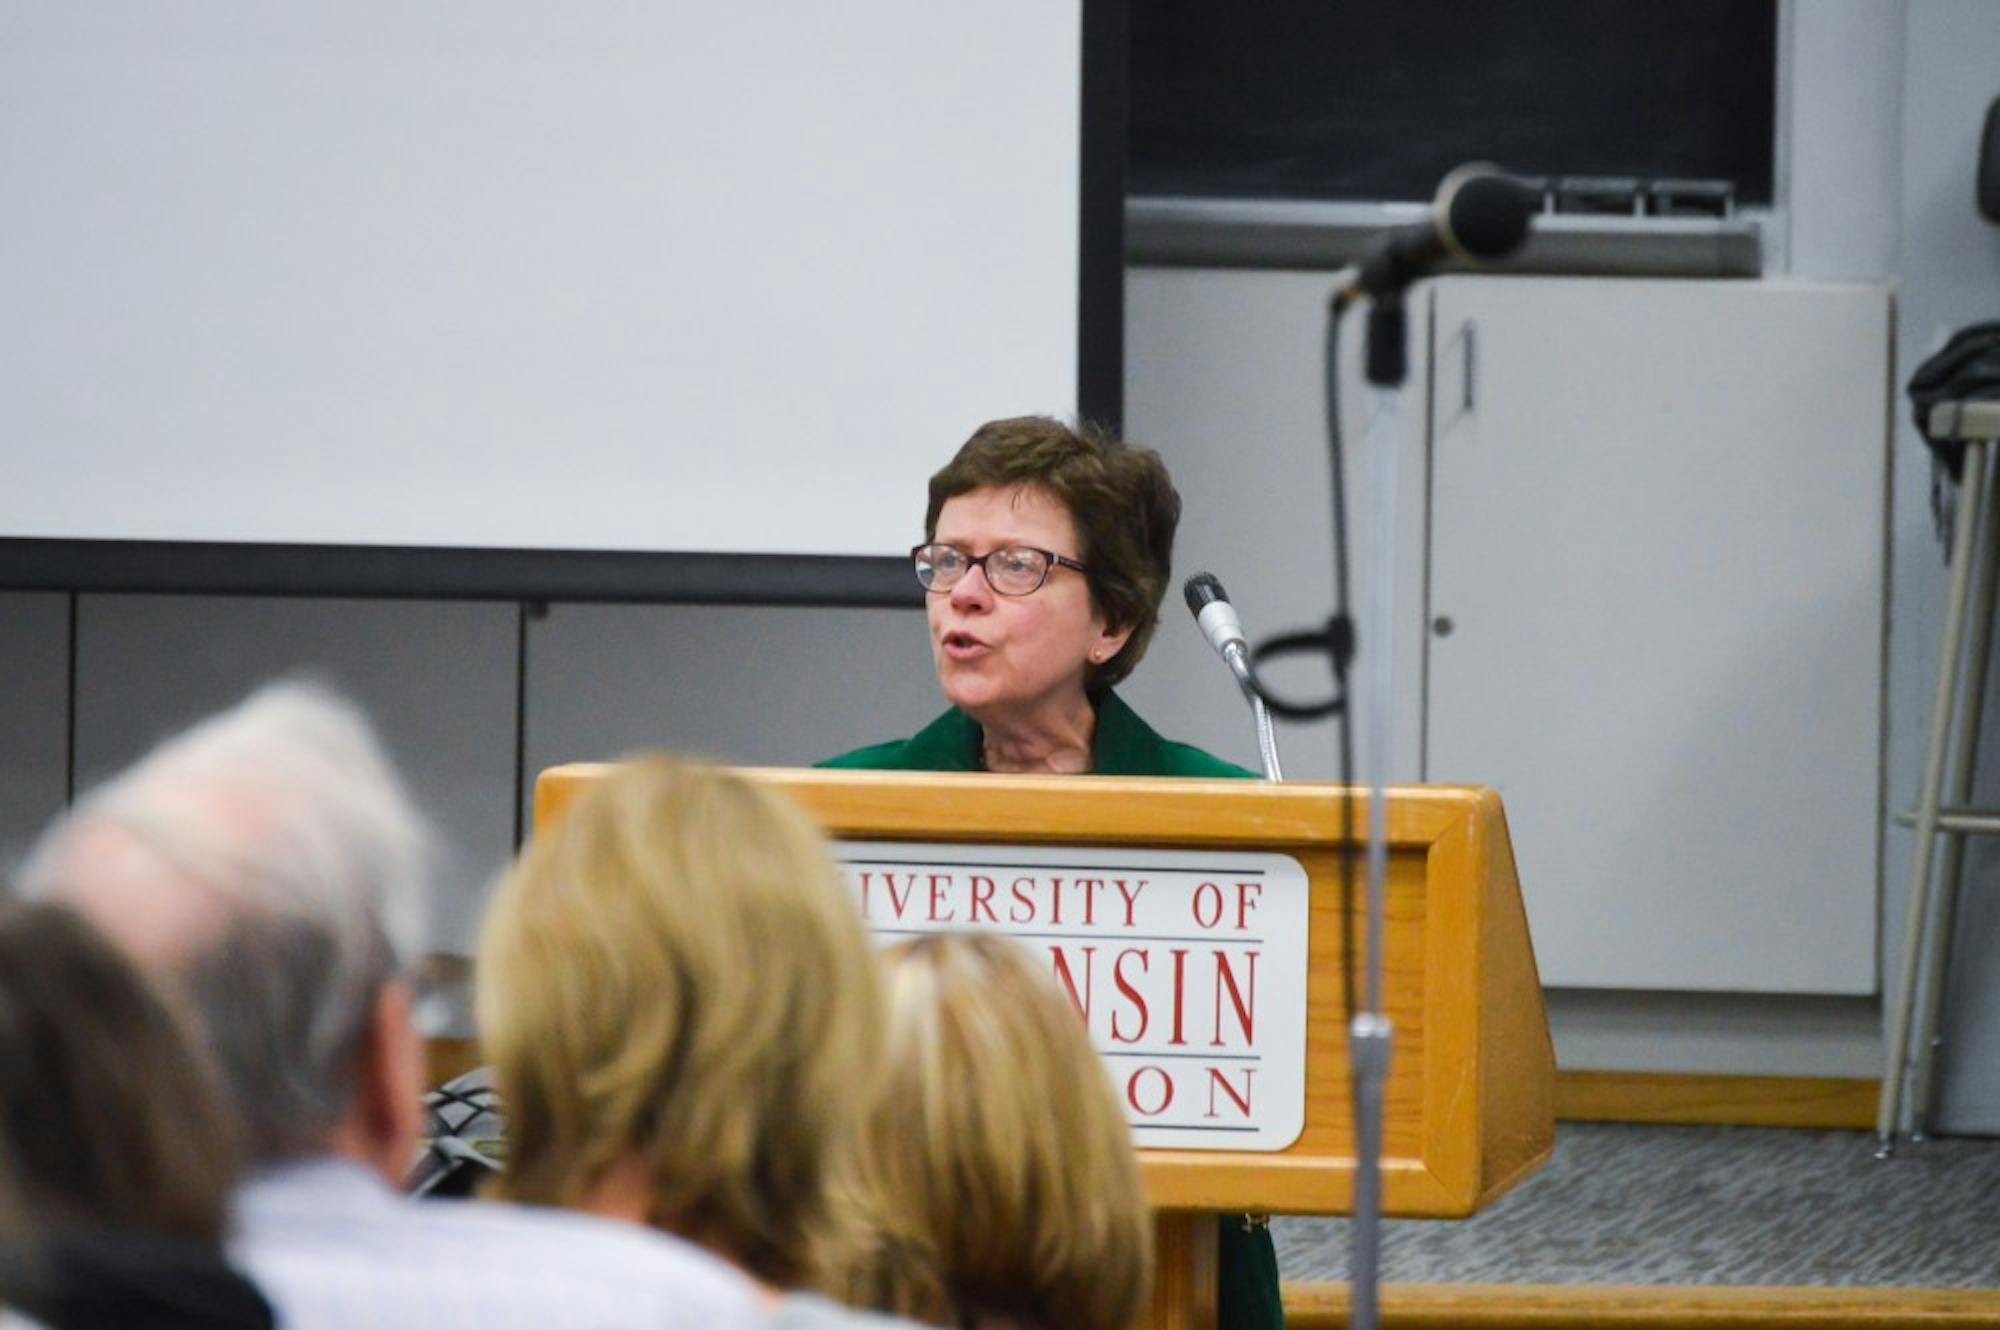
[1216, 618]
[1267, 739]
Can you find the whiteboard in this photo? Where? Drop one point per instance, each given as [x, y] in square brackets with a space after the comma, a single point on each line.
[612, 276]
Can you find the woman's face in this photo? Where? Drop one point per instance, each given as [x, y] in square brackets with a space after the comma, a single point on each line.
[1014, 654]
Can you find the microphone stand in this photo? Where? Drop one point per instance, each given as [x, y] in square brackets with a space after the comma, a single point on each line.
[1482, 215]
[1238, 659]
[1370, 1034]
[1267, 739]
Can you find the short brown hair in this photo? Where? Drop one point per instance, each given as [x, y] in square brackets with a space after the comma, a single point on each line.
[111, 1113]
[674, 972]
[1121, 498]
[997, 1176]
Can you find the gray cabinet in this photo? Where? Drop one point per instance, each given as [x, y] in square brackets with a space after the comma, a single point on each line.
[1640, 547]
[1658, 532]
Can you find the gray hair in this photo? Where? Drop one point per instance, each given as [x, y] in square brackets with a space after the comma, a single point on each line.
[283, 817]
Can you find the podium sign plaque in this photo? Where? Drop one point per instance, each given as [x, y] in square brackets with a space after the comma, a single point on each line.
[1187, 967]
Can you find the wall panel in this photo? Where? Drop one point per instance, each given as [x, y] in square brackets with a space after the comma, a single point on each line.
[438, 678]
[34, 715]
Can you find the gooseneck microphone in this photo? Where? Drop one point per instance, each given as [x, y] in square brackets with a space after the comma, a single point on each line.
[1216, 618]
[1480, 215]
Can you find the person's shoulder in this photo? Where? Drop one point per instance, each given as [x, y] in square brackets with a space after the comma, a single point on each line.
[1128, 746]
[123, 1277]
[949, 743]
[875, 757]
[1187, 760]
[509, 1264]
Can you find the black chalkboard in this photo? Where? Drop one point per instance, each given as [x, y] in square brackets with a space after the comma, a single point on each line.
[1378, 99]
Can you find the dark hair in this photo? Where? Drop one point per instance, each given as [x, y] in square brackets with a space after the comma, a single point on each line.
[110, 1113]
[1121, 498]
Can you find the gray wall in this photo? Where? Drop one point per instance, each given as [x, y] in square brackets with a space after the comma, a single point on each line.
[438, 678]
[446, 683]
[1948, 271]
[758, 686]
[34, 714]
[1882, 103]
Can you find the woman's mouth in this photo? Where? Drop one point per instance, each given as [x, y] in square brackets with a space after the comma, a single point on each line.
[962, 646]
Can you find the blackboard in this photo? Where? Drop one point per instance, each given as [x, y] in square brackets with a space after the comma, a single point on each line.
[1377, 100]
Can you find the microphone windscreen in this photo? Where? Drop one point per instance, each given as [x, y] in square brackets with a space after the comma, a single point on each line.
[1486, 216]
[1202, 590]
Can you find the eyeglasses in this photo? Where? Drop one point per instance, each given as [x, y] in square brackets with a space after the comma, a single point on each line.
[1011, 570]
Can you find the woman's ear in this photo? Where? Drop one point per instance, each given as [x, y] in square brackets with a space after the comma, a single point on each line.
[1110, 641]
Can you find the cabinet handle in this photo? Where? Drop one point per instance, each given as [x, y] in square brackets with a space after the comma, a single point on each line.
[1468, 332]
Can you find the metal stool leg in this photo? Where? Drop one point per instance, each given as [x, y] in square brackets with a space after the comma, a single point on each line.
[1934, 959]
[1972, 491]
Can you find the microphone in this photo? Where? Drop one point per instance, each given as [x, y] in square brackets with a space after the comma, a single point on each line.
[1216, 618]
[1479, 215]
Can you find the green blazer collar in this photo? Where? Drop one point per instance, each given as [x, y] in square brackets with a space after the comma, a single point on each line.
[1124, 745]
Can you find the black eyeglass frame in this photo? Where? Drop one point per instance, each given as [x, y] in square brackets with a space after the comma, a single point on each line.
[1055, 561]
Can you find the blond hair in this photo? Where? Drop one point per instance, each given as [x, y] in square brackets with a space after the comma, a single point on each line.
[997, 1173]
[674, 974]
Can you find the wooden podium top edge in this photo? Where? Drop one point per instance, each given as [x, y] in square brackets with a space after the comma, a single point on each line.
[985, 780]
[879, 804]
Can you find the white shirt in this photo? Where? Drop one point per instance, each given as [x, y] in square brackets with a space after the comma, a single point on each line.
[334, 1248]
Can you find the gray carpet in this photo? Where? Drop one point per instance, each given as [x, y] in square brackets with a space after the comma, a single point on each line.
[1704, 1205]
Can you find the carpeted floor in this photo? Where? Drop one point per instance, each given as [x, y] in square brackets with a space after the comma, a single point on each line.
[1704, 1205]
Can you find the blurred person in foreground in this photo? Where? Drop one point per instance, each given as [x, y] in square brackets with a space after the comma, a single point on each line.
[997, 1175]
[1046, 553]
[269, 863]
[116, 1152]
[684, 1019]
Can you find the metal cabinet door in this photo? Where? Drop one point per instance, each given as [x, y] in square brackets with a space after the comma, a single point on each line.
[1658, 516]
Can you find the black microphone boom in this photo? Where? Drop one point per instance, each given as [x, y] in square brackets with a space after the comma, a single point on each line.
[1480, 215]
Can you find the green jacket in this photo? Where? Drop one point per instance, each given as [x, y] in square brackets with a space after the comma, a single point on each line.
[1123, 745]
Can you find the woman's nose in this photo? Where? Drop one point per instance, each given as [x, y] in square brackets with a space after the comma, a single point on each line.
[972, 590]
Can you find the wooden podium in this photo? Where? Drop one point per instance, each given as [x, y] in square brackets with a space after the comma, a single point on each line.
[1469, 1100]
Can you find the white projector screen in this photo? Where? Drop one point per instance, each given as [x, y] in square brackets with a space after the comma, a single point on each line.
[718, 278]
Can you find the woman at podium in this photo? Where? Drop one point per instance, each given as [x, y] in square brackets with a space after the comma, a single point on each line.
[1046, 553]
